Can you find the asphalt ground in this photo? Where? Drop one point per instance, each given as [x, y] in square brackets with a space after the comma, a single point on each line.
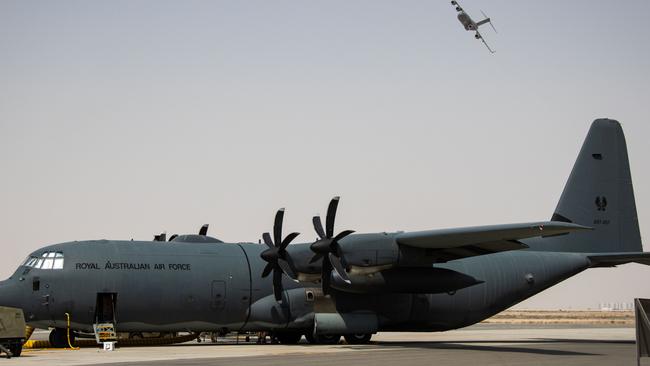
[477, 345]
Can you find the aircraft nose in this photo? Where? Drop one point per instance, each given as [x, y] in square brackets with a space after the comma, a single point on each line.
[3, 285]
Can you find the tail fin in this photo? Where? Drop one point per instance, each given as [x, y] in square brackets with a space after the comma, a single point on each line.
[599, 194]
[486, 20]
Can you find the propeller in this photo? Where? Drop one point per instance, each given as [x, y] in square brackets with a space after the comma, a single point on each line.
[204, 230]
[327, 246]
[276, 256]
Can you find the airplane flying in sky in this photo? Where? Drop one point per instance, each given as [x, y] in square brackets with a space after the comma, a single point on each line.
[345, 283]
[471, 25]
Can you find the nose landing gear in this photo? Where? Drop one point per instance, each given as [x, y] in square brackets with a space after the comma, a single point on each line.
[59, 338]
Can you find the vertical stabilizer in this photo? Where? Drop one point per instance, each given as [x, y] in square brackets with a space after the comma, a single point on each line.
[599, 194]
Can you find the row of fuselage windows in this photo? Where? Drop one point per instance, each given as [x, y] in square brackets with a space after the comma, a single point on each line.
[48, 260]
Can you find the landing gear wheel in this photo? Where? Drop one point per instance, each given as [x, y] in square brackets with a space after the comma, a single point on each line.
[16, 350]
[323, 339]
[358, 338]
[288, 337]
[309, 336]
[59, 338]
[136, 336]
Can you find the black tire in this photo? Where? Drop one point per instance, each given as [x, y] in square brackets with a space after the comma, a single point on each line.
[358, 338]
[59, 338]
[288, 337]
[327, 339]
[16, 350]
[309, 336]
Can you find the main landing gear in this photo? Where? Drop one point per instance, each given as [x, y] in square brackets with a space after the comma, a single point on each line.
[294, 338]
[322, 338]
[288, 337]
[358, 338]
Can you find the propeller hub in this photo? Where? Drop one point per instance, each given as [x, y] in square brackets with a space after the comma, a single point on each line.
[322, 246]
[270, 255]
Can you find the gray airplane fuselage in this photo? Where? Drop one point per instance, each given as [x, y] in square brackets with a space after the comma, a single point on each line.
[431, 280]
[467, 21]
[172, 286]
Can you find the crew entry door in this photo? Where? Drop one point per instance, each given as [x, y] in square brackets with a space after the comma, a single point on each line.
[104, 325]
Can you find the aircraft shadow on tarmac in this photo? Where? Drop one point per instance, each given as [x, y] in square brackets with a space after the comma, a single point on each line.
[496, 346]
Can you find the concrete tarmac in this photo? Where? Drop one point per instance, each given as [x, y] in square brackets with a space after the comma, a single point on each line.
[476, 345]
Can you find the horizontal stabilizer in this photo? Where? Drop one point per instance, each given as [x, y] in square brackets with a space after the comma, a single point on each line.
[615, 259]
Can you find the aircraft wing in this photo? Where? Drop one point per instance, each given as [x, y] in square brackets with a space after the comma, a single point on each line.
[457, 5]
[450, 244]
[480, 36]
[616, 259]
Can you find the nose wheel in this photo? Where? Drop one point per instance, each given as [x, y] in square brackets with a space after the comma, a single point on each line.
[59, 338]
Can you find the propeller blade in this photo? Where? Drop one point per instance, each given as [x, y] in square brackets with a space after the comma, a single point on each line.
[277, 227]
[204, 230]
[325, 275]
[277, 257]
[315, 258]
[288, 240]
[339, 268]
[267, 240]
[342, 235]
[267, 270]
[331, 215]
[287, 267]
[277, 284]
[318, 226]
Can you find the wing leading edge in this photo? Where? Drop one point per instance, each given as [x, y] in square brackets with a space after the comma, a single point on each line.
[450, 244]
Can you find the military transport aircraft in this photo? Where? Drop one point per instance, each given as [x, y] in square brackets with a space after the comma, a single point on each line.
[344, 284]
[471, 25]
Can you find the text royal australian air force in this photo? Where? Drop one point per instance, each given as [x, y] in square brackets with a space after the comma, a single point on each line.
[129, 266]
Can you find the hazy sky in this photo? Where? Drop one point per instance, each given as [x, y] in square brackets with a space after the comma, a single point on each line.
[122, 119]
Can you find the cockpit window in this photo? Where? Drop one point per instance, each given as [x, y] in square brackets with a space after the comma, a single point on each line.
[47, 260]
[58, 261]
